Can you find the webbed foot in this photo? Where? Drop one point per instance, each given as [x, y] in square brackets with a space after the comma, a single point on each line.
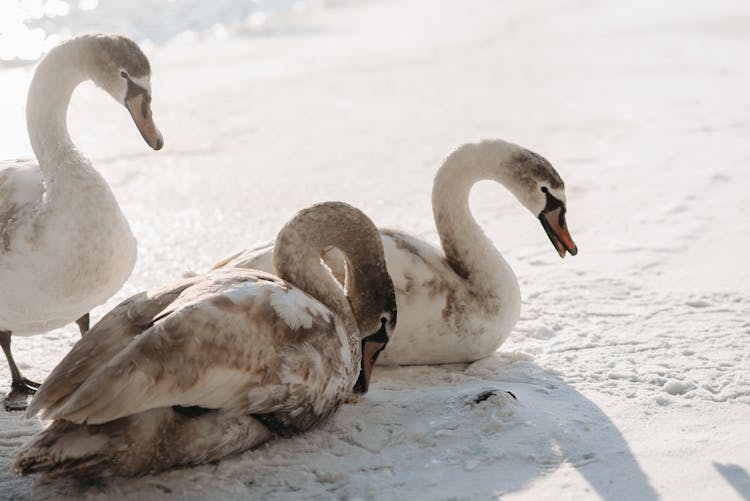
[17, 399]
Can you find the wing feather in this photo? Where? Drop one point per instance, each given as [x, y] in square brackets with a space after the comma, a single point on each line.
[21, 192]
[218, 345]
[113, 333]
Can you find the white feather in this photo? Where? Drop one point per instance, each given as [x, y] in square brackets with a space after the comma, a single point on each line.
[238, 293]
[297, 308]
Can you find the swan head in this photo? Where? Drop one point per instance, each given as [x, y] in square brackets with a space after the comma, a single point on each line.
[120, 68]
[372, 296]
[368, 303]
[539, 188]
[374, 300]
[553, 221]
[372, 346]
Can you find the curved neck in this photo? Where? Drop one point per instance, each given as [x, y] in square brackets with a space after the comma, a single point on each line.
[297, 259]
[54, 80]
[468, 251]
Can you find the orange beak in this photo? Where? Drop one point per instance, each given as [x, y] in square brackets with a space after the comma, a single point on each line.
[370, 352]
[140, 109]
[553, 222]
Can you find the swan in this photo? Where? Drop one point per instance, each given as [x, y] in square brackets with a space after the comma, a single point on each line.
[460, 302]
[65, 246]
[219, 363]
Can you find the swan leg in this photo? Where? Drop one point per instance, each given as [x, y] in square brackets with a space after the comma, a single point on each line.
[20, 387]
[83, 324]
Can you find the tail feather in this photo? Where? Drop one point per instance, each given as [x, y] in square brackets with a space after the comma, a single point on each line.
[65, 449]
[147, 442]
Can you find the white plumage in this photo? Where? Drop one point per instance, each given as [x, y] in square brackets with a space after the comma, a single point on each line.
[65, 246]
[458, 302]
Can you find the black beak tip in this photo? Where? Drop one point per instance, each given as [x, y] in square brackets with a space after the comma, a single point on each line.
[159, 144]
[359, 386]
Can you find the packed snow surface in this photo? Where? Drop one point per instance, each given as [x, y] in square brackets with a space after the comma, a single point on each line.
[630, 362]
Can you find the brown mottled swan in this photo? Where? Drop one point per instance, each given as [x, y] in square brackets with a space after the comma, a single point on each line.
[219, 363]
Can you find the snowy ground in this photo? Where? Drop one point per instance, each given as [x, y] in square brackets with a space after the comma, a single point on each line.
[631, 361]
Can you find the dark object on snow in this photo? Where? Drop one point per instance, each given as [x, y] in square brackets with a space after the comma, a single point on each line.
[485, 395]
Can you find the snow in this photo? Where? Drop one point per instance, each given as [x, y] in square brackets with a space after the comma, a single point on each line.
[630, 360]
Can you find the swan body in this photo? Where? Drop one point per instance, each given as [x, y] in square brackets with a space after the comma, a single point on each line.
[59, 258]
[65, 245]
[218, 363]
[458, 302]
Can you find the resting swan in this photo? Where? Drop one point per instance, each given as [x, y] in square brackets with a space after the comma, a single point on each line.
[219, 363]
[459, 303]
[65, 246]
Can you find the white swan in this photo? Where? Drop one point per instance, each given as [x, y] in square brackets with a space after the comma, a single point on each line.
[219, 363]
[458, 303]
[65, 247]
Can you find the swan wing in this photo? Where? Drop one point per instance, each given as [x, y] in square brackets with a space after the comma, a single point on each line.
[226, 341]
[110, 336]
[21, 195]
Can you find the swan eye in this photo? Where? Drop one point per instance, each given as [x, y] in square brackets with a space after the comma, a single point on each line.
[383, 320]
[124, 75]
[544, 189]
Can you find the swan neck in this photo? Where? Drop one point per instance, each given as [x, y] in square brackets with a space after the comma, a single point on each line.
[52, 86]
[297, 259]
[467, 249]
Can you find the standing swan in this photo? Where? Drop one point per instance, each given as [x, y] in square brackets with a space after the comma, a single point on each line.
[459, 303]
[65, 246]
[219, 363]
